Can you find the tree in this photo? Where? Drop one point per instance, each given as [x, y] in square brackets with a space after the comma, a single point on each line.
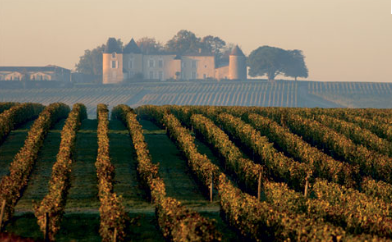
[114, 45]
[183, 42]
[268, 61]
[149, 46]
[91, 62]
[213, 45]
[225, 55]
[296, 65]
[272, 61]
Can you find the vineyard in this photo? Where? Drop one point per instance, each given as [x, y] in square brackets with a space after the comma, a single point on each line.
[194, 173]
[353, 95]
[224, 93]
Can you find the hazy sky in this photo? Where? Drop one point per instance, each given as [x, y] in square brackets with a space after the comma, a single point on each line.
[343, 40]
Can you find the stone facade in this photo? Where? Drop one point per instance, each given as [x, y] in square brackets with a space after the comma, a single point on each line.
[34, 73]
[112, 67]
[120, 65]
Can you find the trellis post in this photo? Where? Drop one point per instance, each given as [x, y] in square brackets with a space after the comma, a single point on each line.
[211, 186]
[2, 214]
[259, 188]
[46, 231]
[115, 235]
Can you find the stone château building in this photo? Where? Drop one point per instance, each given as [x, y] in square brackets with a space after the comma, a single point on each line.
[129, 62]
[34, 73]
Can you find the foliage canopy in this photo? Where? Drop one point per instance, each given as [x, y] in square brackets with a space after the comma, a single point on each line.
[273, 61]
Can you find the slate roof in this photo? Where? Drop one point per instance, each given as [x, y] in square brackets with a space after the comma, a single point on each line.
[132, 47]
[32, 68]
[237, 51]
[197, 54]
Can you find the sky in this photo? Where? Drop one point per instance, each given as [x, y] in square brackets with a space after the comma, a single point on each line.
[342, 40]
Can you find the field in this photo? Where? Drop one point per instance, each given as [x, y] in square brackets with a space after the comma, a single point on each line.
[260, 93]
[195, 173]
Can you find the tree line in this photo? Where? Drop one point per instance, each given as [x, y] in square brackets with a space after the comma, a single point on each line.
[265, 60]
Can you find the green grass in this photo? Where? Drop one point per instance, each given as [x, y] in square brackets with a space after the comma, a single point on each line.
[81, 218]
[146, 228]
[37, 186]
[11, 146]
[123, 158]
[83, 193]
[179, 182]
[84, 227]
[173, 167]
[25, 225]
[81, 227]
[74, 227]
[212, 154]
[159, 140]
[205, 150]
[228, 233]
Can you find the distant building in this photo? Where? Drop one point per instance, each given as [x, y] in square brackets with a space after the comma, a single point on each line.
[34, 73]
[119, 65]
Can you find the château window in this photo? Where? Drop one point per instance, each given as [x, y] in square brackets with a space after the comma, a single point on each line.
[114, 64]
[194, 63]
[151, 63]
[114, 55]
[160, 63]
[204, 76]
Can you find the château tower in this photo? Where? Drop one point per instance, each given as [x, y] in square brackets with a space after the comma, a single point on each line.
[112, 62]
[133, 60]
[237, 64]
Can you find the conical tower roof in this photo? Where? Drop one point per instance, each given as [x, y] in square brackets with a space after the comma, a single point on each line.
[132, 47]
[237, 51]
[112, 46]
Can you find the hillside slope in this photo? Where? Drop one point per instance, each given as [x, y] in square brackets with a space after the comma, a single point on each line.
[225, 93]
